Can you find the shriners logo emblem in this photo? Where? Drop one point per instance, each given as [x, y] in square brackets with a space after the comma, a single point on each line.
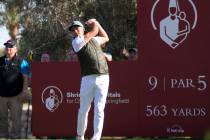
[177, 23]
[52, 97]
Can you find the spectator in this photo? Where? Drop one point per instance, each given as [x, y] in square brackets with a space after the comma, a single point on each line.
[133, 54]
[13, 87]
[45, 57]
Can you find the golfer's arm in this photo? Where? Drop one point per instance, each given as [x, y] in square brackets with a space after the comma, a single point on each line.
[88, 36]
[102, 33]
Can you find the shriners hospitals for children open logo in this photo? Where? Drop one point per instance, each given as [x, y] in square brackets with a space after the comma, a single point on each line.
[175, 20]
[52, 97]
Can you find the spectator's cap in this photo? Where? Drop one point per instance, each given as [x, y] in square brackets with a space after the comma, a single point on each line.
[10, 43]
[135, 50]
[75, 23]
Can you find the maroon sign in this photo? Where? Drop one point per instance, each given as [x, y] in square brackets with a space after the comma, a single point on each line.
[56, 99]
[174, 67]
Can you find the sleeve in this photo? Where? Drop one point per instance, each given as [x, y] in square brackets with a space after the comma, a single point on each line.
[98, 40]
[24, 67]
[78, 43]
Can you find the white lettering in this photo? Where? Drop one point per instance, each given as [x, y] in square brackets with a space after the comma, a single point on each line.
[173, 83]
[117, 101]
[174, 110]
[189, 112]
[189, 83]
[72, 95]
[77, 100]
[114, 95]
[203, 112]
[69, 101]
[181, 84]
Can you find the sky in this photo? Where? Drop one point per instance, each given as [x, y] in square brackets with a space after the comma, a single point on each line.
[4, 35]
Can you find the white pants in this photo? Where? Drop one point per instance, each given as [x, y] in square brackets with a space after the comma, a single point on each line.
[92, 87]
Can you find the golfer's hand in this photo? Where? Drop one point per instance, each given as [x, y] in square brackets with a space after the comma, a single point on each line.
[90, 22]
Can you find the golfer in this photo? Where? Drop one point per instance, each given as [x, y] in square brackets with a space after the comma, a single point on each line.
[94, 73]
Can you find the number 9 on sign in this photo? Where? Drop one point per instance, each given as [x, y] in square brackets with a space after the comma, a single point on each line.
[152, 82]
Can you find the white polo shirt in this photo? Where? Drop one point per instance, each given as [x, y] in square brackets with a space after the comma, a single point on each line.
[79, 42]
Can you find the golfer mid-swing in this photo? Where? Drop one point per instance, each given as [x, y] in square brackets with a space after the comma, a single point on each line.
[94, 72]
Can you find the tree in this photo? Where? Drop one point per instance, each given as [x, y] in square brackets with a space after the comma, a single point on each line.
[10, 15]
[44, 23]
[45, 28]
[118, 17]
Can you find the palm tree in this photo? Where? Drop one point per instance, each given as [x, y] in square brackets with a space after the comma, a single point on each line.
[10, 15]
